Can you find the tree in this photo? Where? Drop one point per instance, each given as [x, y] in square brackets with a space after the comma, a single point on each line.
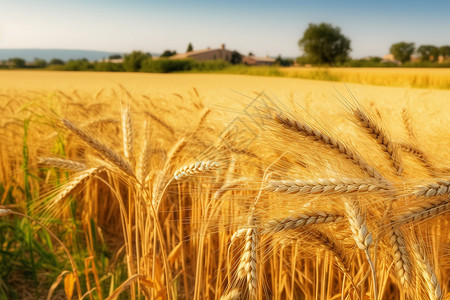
[324, 43]
[133, 62]
[56, 61]
[402, 51]
[428, 52]
[40, 63]
[189, 48]
[168, 53]
[115, 56]
[444, 51]
[236, 58]
[17, 62]
[284, 62]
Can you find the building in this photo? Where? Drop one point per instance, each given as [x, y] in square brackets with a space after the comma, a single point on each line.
[258, 61]
[206, 54]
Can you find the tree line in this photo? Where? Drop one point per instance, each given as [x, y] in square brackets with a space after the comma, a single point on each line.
[325, 44]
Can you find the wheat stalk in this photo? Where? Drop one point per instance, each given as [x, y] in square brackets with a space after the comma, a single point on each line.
[327, 186]
[300, 221]
[427, 272]
[381, 137]
[100, 148]
[195, 169]
[438, 188]
[62, 163]
[328, 141]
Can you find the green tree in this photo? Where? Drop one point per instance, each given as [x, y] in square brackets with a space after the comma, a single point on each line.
[56, 61]
[39, 63]
[115, 56]
[444, 51]
[168, 53]
[17, 62]
[402, 51]
[133, 61]
[323, 43]
[236, 58]
[428, 52]
[284, 62]
[189, 48]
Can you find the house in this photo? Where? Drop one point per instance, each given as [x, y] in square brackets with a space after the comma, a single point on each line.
[206, 54]
[258, 61]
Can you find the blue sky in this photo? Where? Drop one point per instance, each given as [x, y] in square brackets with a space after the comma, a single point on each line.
[263, 27]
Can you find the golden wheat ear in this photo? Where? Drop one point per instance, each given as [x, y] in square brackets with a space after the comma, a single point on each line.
[99, 148]
[301, 221]
[374, 129]
[197, 168]
[327, 186]
[401, 256]
[127, 133]
[62, 163]
[427, 273]
[326, 140]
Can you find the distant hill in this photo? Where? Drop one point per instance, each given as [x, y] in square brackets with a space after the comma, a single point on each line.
[48, 54]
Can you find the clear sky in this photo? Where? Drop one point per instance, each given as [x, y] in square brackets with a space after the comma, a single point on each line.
[263, 27]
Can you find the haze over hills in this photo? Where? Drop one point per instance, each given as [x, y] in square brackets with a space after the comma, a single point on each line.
[48, 54]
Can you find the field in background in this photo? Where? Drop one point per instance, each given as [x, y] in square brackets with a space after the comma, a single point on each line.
[401, 77]
[127, 221]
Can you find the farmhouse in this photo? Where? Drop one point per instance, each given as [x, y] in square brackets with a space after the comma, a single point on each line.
[206, 54]
[258, 61]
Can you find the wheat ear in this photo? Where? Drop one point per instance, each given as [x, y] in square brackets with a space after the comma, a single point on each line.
[196, 169]
[358, 225]
[381, 137]
[361, 235]
[160, 122]
[420, 155]
[249, 260]
[62, 163]
[402, 262]
[229, 186]
[143, 162]
[406, 118]
[439, 188]
[424, 212]
[234, 294]
[331, 245]
[327, 186]
[127, 133]
[427, 272]
[300, 221]
[100, 148]
[76, 182]
[328, 141]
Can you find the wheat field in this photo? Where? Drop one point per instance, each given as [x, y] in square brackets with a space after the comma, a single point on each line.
[438, 78]
[197, 186]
